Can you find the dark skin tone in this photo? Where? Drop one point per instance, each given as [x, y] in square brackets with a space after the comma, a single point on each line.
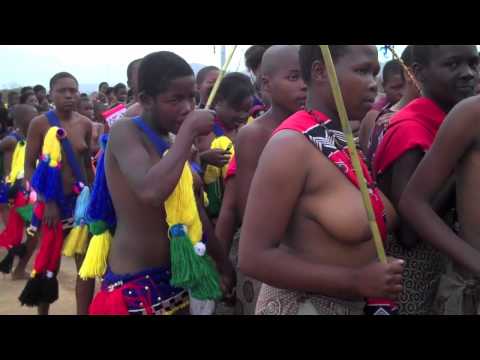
[283, 84]
[134, 110]
[450, 76]
[22, 116]
[86, 108]
[368, 123]
[232, 118]
[133, 82]
[133, 168]
[456, 150]
[206, 86]
[79, 132]
[42, 100]
[394, 88]
[294, 235]
[121, 96]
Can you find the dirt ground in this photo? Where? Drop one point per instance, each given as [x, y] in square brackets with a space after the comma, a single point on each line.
[10, 291]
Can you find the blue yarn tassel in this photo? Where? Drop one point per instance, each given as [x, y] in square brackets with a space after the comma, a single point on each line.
[81, 206]
[101, 206]
[47, 181]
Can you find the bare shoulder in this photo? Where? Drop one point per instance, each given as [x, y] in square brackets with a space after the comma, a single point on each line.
[286, 145]
[465, 113]
[134, 110]
[39, 123]
[123, 132]
[252, 134]
[40, 120]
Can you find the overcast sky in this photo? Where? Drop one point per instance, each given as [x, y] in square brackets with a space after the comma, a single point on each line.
[22, 65]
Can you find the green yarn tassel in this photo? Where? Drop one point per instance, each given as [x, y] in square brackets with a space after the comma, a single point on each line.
[26, 212]
[209, 286]
[98, 227]
[214, 195]
[190, 270]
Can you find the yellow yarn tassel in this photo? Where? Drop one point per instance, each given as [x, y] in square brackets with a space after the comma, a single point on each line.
[52, 146]
[95, 262]
[181, 207]
[76, 241]
[213, 173]
[18, 162]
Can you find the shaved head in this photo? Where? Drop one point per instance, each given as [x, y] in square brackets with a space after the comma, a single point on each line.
[22, 115]
[277, 57]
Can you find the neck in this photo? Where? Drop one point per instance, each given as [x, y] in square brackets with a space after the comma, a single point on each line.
[405, 100]
[316, 102]
[278, 114]
[147, 117]
[63, 115]
[445, 107]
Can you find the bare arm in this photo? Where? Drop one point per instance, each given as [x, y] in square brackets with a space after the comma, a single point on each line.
[203, 143]
[273, 196]
[35, 134]
[7, 144]
[455, 137]
[366, 127]
[403, 170]
[87, 158]
[227, 222]
[153, 183]
[250, 144]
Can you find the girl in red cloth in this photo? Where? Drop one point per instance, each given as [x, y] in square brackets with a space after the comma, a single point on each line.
[447, 74]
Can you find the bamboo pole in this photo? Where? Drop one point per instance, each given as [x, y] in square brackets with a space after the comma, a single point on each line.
[337, 94]
[219, 79]
[405, 67]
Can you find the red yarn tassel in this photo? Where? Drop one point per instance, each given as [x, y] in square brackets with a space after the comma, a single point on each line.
[47, 240]
[109, 303]
[54, 262]
[12, 235]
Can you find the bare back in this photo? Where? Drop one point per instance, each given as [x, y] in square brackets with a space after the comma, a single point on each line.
[468, 194]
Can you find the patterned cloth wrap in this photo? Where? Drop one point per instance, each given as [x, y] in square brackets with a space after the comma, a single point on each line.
[144, 293]
[274, 301]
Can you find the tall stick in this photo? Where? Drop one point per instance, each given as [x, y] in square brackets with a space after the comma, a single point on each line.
[219, 79]
[342, 113]
[405, 67]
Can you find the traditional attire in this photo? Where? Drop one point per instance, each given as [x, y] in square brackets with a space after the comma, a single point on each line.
[145, 293]
[247, 288]
[317, 129]
[42, 287]
[413, 127]
[381, 125]
[213, 176]
[13, 192]
[458, 294]
[165, 290]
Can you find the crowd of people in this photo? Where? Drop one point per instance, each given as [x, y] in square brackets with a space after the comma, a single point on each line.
[182, 200]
